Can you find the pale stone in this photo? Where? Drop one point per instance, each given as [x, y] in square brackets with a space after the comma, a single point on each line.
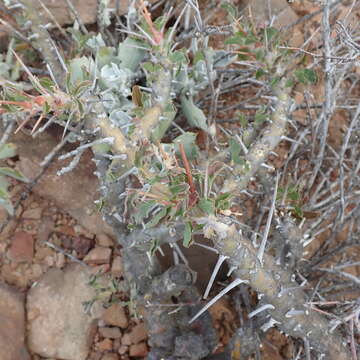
[58, 327]
[12, 325]
[98, 255]
[104, 240]
[110, 356]
[34, 214]
[110, 332]
[117, 267]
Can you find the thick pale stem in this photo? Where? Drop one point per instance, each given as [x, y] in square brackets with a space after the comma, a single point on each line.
[279, 289]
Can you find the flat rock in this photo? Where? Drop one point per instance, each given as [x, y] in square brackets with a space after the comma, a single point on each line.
[74, 192]
[85, 9]
[138, 350]
[280, 9]
[115, 315]
[22, 247]
[110, 356]
[12, 325]
[117, 267]
[34, 214]
[138, 333]
[58, 327]
[110, 332]
[98, 255]
[105, 345]
[104, 240]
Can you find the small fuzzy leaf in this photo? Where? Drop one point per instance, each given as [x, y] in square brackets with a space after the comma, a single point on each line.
[157, 217]
[237, 39]
[188, 139]
[144, 210]
[130, 54]
[47, 83]
[222, 202]
[207, 206]
[13, 173]
[187, 235]
[102, 148]
[260, 117]
[7, 205]
[306, 76]
[199, 55]
[193, 114]
[259, 73]
[178, 188]
[271, 33]
[7, 151]
[235, 149]
[178, 57]
[231, 9]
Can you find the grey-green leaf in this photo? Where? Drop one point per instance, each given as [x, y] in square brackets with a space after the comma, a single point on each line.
[188, 140]
[193, 114]
[13, 173]
[7, 205]
[207, 206]
[7, 151]
[187, 234]
[156, 218]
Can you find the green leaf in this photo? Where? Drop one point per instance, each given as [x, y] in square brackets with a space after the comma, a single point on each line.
[207, 206]
[242, 119]
[271, 33]
[154, 245]
[4, 184]
[188, 139]
[187, 235]
[144, 210]
[193, 114]
[259, 55]
[130, 53]
[235, 149]
[79, 68]
[293, 193]
[289, 83]
[148, 66]
[47, 83]
[306, 76]
[260, 116]
[222, 202]
[199, 55]
[157, 217]
[179, 188]
[298, 212]
[178, 57]
[7, 205]
[274, 81]
[7, 151]
[259, 73]
[13, 173]
[101, 148]
[163, 124]
[251, 39]
[231, 9]
[237, 39]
